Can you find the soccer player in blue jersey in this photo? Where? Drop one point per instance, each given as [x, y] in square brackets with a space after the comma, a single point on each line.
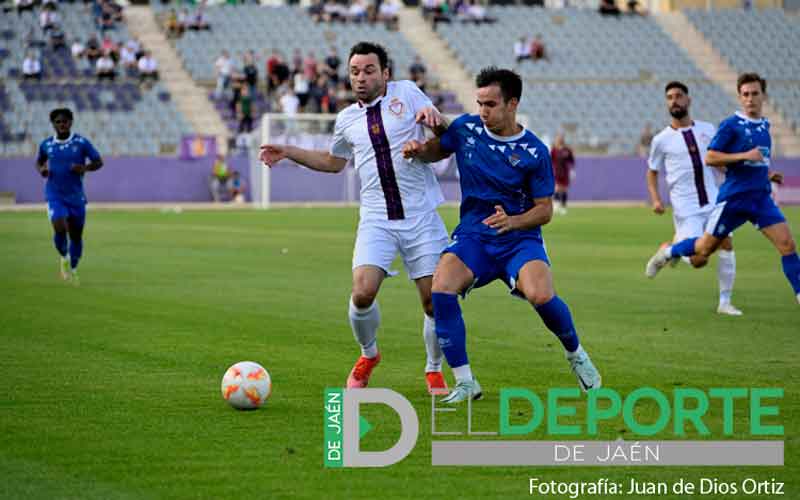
[62, 161]
[506, 187]
[743, 147]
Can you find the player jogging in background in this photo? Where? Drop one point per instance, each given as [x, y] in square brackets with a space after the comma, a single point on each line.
[679, 150]
[398, 199]
[507, 187]
[563, 169]
[742, 146]
[62, 161]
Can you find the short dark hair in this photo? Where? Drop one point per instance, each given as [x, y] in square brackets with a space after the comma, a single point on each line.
[676, 85]
[509, 82]
[66, 112]
[364, 48]
[750, 78]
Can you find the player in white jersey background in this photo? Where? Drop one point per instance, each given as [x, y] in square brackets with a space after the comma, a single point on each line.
[679, 150]
[398, 199]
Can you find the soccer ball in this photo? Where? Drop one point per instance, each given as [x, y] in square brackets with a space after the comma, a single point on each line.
[246, 385]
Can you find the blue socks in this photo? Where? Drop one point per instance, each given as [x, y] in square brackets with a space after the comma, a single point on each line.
[791, 268]
[450, 328]
[558, 319]
[75, 252]
[683, 248]
[60, 240]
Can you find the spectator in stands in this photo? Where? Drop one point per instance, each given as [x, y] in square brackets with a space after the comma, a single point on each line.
[417, 72]
[148, 68]
[319, 89]
[289, 104]
[522, 49]
[105, 17]
[172, 26]
[219, 180]
[297, 61]
[24, 6]
[329, 103]
[199, 21]
[78, 49]
[331, 65]
[310, 66]
[388, 12]
[93, 51]
[105, 68]
[48, 17]
[31, 67]
[58, 40]
[250, 72]
[333, 11]
[643, 148]
[108, 45]
[244, 110]
[184, 19]
[127, 57]
[271, 71]
[538, 49]
[476, 13]
[316, 10]
[136, 47]
[302, 87]
[357, 12]
[224, 68]
[608, 8]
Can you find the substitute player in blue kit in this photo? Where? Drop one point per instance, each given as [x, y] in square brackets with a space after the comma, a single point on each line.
[742, 146]
[63, 160]
[507, 187]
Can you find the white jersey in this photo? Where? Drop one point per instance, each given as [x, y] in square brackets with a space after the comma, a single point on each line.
[693, 186]
[373, 136]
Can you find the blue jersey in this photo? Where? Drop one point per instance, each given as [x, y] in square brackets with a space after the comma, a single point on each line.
[739, 134]
[63, 184]
[507, 171]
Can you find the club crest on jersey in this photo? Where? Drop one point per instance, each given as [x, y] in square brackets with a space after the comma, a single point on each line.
[514, 159]
[396, 106]
[375, 129]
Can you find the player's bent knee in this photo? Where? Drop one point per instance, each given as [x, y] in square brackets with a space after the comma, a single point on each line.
[698, 261]
[362, 299]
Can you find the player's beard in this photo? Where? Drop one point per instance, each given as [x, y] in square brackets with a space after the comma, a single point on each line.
[678, 112]
[370, 94]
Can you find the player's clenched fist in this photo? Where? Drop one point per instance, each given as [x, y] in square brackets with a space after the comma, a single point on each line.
[271, 154]
[412, 149]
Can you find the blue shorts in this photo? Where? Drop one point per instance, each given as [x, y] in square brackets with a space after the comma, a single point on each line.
[59, 209]
[489, 261]
[755, 207]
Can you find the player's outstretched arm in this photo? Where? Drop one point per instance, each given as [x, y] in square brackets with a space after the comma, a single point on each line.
[652, 188]
[430, 151]
[321, 161]
[719, 159]
[539, 215]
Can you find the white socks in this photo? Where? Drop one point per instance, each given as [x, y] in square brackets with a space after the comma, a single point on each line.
[726, 272]
[432, 349]
[364, 323]
[463, 373]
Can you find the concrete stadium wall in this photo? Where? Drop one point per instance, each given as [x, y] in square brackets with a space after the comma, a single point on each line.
[126, 179]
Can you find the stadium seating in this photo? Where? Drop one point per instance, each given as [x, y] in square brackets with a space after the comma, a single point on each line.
[604, 78]
[119, 117]
[772, 51]
[244, 27]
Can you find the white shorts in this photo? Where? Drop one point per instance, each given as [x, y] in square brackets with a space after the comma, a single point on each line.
[419, 240]
[692, 226]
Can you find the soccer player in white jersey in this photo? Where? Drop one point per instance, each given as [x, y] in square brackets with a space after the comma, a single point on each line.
[398, 199]
[679, 150]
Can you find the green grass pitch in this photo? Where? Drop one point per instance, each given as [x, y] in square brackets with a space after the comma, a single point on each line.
[111, 390]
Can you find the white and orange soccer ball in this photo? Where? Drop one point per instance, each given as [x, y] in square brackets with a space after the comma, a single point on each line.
[246, 385]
